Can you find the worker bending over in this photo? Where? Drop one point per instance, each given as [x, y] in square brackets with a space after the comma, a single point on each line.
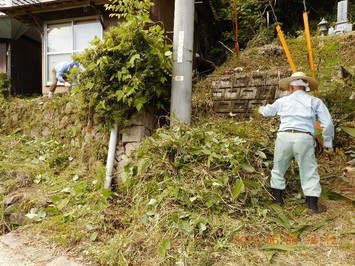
[59, 73]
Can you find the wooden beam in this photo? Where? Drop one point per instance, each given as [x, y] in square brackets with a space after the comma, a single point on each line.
[99, 15]
[38, 22]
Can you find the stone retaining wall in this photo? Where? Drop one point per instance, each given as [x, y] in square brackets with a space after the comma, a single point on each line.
[241, 94]
[130, 137]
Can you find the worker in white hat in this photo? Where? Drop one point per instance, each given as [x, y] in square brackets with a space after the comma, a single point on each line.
[295, 138]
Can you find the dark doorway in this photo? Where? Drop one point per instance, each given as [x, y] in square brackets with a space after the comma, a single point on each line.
[3, 57]
[26, 66]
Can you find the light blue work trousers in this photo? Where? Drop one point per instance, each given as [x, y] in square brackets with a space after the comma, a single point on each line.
[299, 146]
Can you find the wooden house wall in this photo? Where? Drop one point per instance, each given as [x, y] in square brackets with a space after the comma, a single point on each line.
[164, 11]
[28, 55]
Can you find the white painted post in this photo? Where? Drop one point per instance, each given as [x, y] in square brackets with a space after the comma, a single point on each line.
[111, 156]
[183, 56]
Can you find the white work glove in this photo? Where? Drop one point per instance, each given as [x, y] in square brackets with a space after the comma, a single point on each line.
[328, 150]
[67, 84]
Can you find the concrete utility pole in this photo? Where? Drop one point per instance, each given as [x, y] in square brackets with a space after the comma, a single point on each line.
[182, 66]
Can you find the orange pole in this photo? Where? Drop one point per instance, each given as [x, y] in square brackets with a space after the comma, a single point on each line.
[311, 66]
[309, 47]
[284, 45]
[235, 26]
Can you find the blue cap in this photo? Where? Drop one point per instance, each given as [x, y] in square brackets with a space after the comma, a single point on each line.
[74, 64]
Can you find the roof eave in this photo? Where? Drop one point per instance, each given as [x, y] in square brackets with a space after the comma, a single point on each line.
[49, 6]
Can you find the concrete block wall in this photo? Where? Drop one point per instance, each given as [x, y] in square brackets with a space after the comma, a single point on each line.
[241, 94]
[130, 137]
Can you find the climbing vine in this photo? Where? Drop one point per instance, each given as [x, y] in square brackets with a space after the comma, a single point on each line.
[129, 69]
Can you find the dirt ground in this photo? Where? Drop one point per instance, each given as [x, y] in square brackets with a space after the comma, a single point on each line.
[16, 249]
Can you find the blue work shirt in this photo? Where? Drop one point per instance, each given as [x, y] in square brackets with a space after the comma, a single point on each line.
[62, 69]
[299, 111]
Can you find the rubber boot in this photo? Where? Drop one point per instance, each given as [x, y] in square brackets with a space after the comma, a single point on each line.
[313, 206]
[50, 95]
[278, 193]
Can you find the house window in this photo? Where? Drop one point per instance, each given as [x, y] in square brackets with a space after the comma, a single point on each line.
[66, 39]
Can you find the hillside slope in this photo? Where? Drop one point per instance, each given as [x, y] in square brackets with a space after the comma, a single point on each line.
[194, 195]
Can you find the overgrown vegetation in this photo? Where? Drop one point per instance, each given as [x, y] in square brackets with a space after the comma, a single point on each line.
[190, 195]
[5, 83]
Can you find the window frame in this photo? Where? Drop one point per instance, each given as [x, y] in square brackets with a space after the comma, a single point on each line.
[72, 21]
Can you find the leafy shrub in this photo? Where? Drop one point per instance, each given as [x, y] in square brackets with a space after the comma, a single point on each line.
[337, 97]
[265, 35]
[338, 82]
[129, 69]
[5, 83]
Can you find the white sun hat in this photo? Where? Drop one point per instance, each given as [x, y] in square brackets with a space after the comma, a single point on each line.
[284, 83]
